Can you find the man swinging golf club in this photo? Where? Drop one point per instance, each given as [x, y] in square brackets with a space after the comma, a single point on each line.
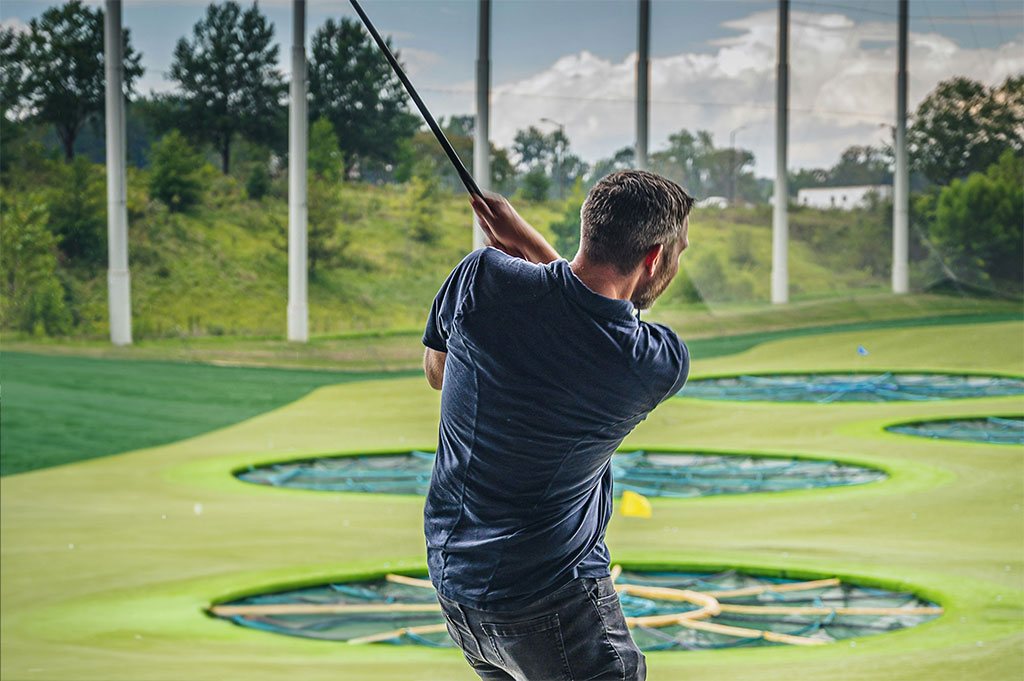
[544, 367]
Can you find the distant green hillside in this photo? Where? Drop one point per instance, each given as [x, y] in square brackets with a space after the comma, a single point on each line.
[382, 251]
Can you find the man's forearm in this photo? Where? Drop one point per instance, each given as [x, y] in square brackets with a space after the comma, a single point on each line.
[506, 230]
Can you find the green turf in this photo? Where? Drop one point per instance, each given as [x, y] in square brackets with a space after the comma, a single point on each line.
[708, 348]
[106, 566]
[62, 409]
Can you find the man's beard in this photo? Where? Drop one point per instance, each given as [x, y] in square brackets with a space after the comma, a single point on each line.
[643, 298]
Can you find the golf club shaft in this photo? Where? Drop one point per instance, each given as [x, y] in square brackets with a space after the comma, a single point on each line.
[467, 179]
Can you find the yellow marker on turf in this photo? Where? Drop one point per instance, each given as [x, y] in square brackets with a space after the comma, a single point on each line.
[635, 505]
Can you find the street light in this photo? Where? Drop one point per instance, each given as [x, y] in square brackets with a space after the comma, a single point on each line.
[732, 162]
[558, 177]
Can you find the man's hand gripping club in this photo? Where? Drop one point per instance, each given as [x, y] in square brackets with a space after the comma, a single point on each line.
[507, 231]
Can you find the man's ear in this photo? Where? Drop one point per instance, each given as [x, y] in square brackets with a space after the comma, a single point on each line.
[652, 257]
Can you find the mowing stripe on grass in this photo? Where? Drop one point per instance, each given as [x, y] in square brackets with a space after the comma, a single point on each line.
[59, 409]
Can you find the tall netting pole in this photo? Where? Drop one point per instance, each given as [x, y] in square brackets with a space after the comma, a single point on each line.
[298, 309]
[482, 125]
[643, 80]
[901, 180]
[118, 277]
[780, 215]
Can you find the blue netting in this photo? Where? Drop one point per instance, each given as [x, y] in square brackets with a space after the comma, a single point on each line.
[853, 387]
[992, 429]
[831, 618]
[648, 473]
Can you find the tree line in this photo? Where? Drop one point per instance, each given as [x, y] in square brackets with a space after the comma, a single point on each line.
[228, 117]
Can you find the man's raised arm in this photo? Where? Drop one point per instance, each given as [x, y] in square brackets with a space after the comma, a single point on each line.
[507, 231]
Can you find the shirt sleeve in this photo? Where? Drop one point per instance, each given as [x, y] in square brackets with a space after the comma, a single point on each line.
[447, 303]
[676, 360]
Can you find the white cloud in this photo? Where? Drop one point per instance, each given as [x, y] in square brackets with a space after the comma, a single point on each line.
[14, 24]
[842, 88]
[415, 61]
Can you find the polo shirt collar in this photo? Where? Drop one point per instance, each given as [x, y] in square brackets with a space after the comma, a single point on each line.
[603, 306]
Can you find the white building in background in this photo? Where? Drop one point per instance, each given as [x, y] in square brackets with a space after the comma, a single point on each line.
[713, 202]
[843, 198]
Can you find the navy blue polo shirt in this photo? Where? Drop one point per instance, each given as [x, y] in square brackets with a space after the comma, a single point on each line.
[543, 379]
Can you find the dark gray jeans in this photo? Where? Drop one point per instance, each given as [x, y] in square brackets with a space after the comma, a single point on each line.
[577, 633]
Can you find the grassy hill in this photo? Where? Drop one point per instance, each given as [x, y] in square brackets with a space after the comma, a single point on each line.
[381, 252]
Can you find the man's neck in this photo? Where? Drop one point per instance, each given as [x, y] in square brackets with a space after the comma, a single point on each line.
[605, 280]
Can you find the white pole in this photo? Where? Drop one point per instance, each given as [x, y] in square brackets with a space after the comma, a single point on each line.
[780, 215]
[118, 278]
[482, 125]
[643, 81]
[901, 180]
[298, 310]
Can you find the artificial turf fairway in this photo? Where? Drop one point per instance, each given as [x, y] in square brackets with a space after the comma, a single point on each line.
[125, 602]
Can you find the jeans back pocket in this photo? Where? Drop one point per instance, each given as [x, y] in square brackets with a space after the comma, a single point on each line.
[531, 649]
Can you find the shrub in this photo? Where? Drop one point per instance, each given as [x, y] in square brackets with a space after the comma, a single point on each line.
[258, 183]
[536, 185]
[324, 155]
[78, 212]
[424, 196]
[979, 223]
[176, 173]
[33, 298]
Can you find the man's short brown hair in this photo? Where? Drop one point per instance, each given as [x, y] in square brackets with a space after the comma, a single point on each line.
[627, 213]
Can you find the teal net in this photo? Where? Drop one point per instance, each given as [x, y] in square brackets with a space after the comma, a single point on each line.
[853, 387]
[675, 474]
[687, 611]
[994, 429]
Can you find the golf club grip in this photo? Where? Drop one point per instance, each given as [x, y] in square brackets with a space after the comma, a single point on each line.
[467, 179]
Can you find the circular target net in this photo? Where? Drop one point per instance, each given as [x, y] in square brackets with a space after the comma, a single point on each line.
[853, 387]
[648, 473]
[993, 429]
[665, 611]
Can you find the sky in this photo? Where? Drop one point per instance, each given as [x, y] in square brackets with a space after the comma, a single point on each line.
[712, 63]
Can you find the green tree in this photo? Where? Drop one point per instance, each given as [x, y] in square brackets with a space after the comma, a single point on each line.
[229, 80]
[683, 160]
[12, 91]
[327, 235]
[13, 73]
[258, 183]
[324, 155]
[534, 149]
[535, 185]
[424, 200]
[860, 165]
[32, 296]
[567, 229]
[65, 80]
[176, 179]
[979, 223]
[78, 211]
[423, 156]
[503, 173]
[963, 126]
[352, 84]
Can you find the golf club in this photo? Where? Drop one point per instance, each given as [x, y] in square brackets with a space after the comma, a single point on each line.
[467, 179]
